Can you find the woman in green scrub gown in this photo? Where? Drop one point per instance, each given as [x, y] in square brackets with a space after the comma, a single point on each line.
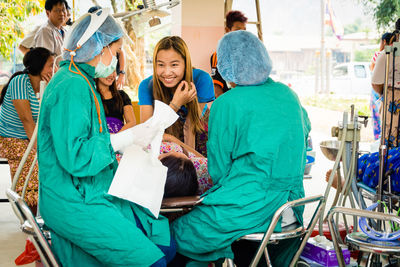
[77, 164]
[256, 156]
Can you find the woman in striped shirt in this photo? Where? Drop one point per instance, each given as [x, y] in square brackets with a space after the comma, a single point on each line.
[19, 109]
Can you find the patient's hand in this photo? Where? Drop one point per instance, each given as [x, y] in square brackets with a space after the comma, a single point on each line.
[170, 138]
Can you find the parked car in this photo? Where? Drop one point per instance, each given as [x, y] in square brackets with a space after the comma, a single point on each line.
[351, 78]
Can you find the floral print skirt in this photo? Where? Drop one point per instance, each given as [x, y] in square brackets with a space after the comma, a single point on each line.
[13, 150]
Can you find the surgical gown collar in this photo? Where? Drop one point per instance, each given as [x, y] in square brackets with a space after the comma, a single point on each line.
[86, 68]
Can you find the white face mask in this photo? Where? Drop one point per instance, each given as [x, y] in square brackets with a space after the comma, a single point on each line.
[103, 71]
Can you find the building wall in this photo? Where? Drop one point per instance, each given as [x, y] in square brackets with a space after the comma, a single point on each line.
[201, 25]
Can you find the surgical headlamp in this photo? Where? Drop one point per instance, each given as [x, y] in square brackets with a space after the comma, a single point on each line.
[97, 18]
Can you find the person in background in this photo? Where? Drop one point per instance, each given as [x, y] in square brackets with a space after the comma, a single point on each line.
[176, 83]
[393, 95]
[374, 104]
[250, 149]
[51, 34]
[29, 40]
[77, 162]
[18, 116]
[234, 21]
[117, 105]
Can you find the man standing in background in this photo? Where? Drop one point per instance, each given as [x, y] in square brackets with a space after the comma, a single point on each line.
[51, 34]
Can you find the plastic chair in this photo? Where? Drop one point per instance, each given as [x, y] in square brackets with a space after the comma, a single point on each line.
[359, 240]
[30, 226]
[288, 232]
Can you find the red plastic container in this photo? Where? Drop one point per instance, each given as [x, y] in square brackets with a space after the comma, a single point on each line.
[327, 233]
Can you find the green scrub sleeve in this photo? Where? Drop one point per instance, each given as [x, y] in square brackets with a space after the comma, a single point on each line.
[78, 152]
[220, 142]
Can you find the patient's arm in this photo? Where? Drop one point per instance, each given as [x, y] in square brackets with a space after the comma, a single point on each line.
[173, 139]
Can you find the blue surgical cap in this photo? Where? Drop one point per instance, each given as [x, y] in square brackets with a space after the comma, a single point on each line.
[108, 32]
[243, 59]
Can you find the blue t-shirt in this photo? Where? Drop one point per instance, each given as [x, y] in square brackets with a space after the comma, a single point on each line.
[11, 125]
[202, 81]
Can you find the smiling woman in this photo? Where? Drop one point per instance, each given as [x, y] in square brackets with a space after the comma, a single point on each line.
[176, 83]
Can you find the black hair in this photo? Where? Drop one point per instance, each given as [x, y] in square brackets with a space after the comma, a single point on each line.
[233, 16]
[116, 96]
[34, 62]
[397, 25]
[181, 177]
[386, 37]
[51, 3]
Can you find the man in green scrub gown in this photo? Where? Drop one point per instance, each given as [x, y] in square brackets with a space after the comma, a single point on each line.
[77, 164]
[256, 156]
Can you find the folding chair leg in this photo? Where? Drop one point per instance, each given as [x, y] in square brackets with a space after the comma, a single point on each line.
[229, 263]
[267, 259]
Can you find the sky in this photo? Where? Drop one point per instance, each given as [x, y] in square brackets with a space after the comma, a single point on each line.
[301, 17]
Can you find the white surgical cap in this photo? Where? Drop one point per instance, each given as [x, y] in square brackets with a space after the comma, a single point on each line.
[108, 32]
[243, 59]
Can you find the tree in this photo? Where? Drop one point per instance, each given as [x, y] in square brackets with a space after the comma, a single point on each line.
[12, 13]
[385, 12]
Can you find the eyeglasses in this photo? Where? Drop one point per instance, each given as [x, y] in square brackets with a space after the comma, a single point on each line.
[58, 10]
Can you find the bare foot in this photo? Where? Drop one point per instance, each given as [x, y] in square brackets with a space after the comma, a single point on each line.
[335, 179]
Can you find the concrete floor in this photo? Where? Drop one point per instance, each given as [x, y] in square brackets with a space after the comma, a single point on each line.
[12, 240]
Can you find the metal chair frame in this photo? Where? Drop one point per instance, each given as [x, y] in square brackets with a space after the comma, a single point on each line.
[30, 226]
[287, 232]
[351, 238]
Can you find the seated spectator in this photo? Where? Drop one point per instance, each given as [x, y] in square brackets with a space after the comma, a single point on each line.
[117, 105]
[256, 154]
[18, 116]
[176, 83]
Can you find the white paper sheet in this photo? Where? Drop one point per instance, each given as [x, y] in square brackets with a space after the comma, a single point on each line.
[140, 177]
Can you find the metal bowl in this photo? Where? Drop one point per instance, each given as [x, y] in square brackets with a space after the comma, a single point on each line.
[330, 149]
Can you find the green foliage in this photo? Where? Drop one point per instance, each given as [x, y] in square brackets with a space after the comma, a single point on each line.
[364, 55]
[354, 27]
[12, 13]
[385, 12]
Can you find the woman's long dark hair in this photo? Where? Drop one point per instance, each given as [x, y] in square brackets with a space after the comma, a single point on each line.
[116, 96]
[34, 62]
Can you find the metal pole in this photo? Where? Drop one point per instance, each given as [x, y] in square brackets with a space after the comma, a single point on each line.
[322, 56]
[382, 147]
[259, 26]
